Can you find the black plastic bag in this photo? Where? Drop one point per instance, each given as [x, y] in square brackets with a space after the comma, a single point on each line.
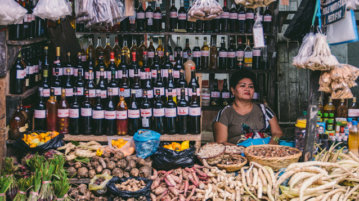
[129, 194]
[302, 21]
[166, 159]
[54, 143]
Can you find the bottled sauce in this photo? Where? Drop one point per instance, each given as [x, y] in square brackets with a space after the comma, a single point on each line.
[216, 23]
[136, 87]
[74, 115]
[140, 19]
[98, 49]
[256, 58]
[124, 84]
[100, 65]
[199, 26]
[91, 87]
[86, 114]
[190, 24]
[80, 65]
[149, 18]
[178, 66]
[133, 115]
[249, 20]
[107, 51]
[205, 54]
[215, 94]
[193, 83]
[240, 54]
[98, 116]
[123, 65]
[51, 112]
[197, 55]
[166, 67]
[213, 54]
[222, 56]
[170, 85]
[40, 114]
[187, 52]
[182, 16]
[89, 67]
[224, 18]
[141, 53]
[17, 77]
[353, 110]
[248, 56]
[30, 69]
[182, 111]
[17, 125]
[206, 94]
[110, 115]
[207, 26]
[231, 55]
[178, 49]
[148, 84]
[233, 19]
[155, 67]
[45, 84]
[353, 140]
[63, 114]
[57, 63]
[113, 86]
[329, 108]
[241, 19]
[117, 51]
[121, 115]
[181, 83]
[132, 68]
[146, 112]
[225, 94]
[342, 110]
[127, 52]
[170, 114]
[194, 114]
[157, 18]
[158, 113]
[159, 85]
[173, 17]
[267, 21]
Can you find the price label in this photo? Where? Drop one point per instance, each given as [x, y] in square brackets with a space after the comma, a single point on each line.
[146, 112]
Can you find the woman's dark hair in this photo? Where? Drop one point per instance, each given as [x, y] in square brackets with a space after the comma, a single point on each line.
[241, 74]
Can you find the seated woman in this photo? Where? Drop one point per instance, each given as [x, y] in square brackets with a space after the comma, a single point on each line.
[243, 119]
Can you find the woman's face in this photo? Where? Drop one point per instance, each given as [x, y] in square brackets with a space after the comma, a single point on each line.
[244, 89]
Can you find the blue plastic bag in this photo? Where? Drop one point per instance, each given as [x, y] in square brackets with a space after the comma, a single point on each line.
[146, 142]
[259, 141]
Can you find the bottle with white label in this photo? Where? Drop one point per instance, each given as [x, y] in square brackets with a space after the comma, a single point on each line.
[194, 114]
[225, 94]
[63, 114]
[170, 114]
[86, 114]
[74, 114]
[196, 56]
[231, 55]
[205, 54]
[173, 17]
[182, 111]
[256, 58]
[98, 116]
[149, 18]
[133, 115]
[17, 77]
[146, 112]
[248, 56]
[182, 16]
[267, 21]
[222, 56]
[69, 89]
[215, 94]
[158, 114]
[110, 115]
[40, 114]
[121, 115]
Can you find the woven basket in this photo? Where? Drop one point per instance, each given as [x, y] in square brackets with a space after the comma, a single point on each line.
[212, 160]
[275, 163]
[233, 167]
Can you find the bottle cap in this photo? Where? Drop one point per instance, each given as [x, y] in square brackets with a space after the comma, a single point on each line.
[355, 123]
[350, 119]
[193, 67]
[122, 89]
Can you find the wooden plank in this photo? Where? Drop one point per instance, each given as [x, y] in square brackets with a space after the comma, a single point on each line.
[24, 95]
[3, 130]
[25, 42]
[80, 34]
[79, 181]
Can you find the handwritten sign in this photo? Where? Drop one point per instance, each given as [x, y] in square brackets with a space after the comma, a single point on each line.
[333, 10]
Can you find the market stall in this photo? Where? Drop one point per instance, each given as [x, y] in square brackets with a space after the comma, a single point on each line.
[123, 120]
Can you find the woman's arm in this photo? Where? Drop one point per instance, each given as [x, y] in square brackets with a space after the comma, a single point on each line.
[275, 130]
[220, 133]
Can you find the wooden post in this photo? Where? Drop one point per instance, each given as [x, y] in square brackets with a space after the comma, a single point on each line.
[310, 136]
[3, 130]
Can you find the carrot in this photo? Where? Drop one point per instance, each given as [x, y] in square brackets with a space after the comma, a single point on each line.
[174, 191]
[169, 183]
[170, 180]
[185, 187]
[190, 195]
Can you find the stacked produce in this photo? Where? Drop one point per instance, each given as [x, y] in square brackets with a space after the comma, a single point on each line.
[82, 193]
[35, 139]
[180, 183]
[205, 10]
[83, 150]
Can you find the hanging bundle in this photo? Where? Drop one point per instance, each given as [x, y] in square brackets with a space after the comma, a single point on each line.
[254, 3]
[11, 12]
[204, 10]
[52, 9]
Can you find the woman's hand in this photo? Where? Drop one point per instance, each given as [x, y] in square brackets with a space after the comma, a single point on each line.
[275, 130]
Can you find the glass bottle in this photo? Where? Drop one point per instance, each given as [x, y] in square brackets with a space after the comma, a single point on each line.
[45, 84]
[158, 113]
[256, 58]
[249, 20]
[148, 84]
[140, 19]
[133, 114]
[213, 54]
[68, 86]
[86, 115]
[248, 56]
[127, 52]
[57, 63]
[187, 52]
[100, 65]
[149, 18]
[342, 110]
[146, 112]
[56, 85]
[178, 66]
[111, 68]
[159, 85]
[157, 18]
[107, 51]
[182, 16]
[141, 51]
[173, 17]
[170, 114]
[241, 19]
[90, 48]
[63, 114]
[231, 55]
[40, 114]
[194, 114]
[160, 50]
[51, 112]
[98, 116]
[74, 115]
[113, 85]
[215, 94]
[222, 57]
[224, 18]
[122, 66]
[117, 51]
[190, 24]
[181, 83]
[182, 111]
[17, 125]
[353, 140]
[124, 84]
[150, 53]
[121, 115]
[110, 115]
[353, 110]
[167, 65]
[267, 21]
[101, 89]
[240, 53]
[205, 54]
[155, 66]
[91, 87]
[17, 77]
[98, 49]
[225, 94]
[233, 19]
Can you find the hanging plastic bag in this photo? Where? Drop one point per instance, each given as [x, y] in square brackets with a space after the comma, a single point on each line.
[52, 9]
[258, 34]
[205, 10]
[305, 50]
[335, 32]
[11, 12]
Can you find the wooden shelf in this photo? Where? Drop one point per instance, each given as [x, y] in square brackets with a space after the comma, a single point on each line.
[26, 42]
[212, 108]
[228, 71]
[80, 34]
[24, 95]
[79, 181]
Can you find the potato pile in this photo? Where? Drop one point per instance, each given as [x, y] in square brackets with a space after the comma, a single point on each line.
[131, 185]
[112, 163]
[204, 10]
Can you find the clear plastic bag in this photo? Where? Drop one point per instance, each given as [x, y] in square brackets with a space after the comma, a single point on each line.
[205, 10]
[146, 142]
[11, 12]
[305, 50]
[52, 9]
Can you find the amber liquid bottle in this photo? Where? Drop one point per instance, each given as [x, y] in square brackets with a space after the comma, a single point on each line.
[17, 124]
[63, 114]
[205, 54]
[213, 54]
[121, 115]
[51, 112]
